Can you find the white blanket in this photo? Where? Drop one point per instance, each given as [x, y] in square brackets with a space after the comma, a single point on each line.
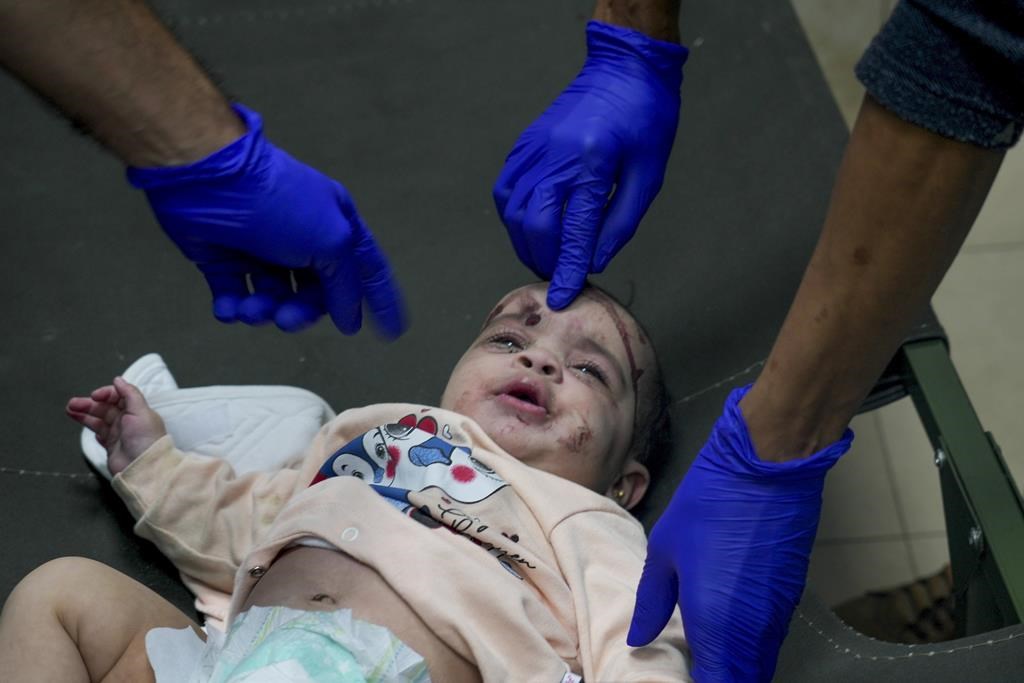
[252, 427]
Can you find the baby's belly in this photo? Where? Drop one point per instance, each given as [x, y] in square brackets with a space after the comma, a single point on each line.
[321, 579]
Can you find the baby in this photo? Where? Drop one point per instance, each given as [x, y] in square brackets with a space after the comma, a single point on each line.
[490, 537]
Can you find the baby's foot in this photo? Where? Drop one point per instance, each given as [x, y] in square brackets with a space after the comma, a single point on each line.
[121, 419]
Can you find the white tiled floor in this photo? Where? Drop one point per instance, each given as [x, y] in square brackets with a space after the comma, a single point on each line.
[882, 523]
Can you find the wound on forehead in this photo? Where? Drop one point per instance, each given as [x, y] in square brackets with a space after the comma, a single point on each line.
[525, 302]
[494, 314]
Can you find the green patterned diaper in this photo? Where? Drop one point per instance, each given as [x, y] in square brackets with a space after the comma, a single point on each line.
[283, 645]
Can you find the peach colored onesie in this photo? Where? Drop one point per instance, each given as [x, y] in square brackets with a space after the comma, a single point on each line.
[521, 572]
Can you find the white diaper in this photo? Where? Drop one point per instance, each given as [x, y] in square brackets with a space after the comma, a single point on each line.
[252, 427]
[283, 645]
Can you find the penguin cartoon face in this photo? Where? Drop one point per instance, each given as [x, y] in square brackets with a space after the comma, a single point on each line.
[353, 465]
[402, 457]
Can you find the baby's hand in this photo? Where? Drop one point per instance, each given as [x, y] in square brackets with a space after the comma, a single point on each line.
[121, 419]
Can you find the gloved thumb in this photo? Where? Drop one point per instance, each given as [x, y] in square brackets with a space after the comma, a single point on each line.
[656, 598]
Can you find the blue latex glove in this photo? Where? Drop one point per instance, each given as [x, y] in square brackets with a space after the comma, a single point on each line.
[732, 547]
[251, 210]
[611, 129]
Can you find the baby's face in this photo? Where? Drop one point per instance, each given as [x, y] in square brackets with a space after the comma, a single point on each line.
[557, 390]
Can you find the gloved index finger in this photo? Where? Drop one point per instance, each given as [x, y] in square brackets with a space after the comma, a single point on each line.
[581, 222]
[340, 280]
[378, 284]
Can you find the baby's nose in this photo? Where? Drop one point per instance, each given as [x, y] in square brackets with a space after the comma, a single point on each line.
[540, 362]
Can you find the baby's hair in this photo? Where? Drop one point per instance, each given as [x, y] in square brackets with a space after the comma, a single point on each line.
[656, 444]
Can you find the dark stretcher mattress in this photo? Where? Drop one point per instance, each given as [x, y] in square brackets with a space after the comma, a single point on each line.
[413, 105]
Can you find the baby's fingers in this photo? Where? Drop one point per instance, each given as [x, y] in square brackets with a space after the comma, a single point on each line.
[107, 412]
[106, 394]
[92, 423]
[112, 436]
[78, 404]
[131, 399]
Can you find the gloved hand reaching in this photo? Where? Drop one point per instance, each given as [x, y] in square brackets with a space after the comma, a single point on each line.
[251, 210]
[608, 134]
[732, 548]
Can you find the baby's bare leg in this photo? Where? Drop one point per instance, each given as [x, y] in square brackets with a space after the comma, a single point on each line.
[77, 620]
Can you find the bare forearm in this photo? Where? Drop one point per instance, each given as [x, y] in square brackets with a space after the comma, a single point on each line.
[111, 66]
[903, 202]
[657, 18]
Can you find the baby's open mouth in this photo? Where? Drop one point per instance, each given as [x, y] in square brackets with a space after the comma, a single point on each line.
[525, 397]
[522, 395]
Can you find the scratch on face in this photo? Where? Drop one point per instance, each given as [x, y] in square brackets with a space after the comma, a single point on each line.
[494, 314]
[526, 303]
[532, 319]
[611, 309]
[578, 440]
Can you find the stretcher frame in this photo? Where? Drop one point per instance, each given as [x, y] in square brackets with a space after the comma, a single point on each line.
[983, 507]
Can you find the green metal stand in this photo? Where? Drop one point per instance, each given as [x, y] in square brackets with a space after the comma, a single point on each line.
[983, 507]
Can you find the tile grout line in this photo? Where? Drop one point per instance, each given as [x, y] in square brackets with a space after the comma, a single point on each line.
[993, 247]
[18, 471]
[881, 538]
[894, 489]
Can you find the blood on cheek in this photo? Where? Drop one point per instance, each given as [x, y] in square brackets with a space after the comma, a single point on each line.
[575, 442]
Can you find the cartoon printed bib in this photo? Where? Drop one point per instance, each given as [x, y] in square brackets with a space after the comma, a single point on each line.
[408, 457]
[395, 459]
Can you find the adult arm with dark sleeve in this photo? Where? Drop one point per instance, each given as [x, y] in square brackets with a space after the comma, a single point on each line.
[732, 548]
[234, 204]
[579, 178]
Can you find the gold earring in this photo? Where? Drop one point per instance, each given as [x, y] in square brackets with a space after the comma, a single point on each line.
[620, 494]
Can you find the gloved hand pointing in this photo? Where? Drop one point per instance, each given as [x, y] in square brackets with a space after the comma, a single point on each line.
[732, 548]
[608, 135]
[251, 211]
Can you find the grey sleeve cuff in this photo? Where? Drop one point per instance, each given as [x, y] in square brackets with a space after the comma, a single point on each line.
[954, 67]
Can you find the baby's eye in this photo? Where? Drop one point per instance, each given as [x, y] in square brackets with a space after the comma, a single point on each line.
[506, 342]
[592, 370]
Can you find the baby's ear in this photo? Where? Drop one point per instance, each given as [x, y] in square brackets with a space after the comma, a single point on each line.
[630, 487]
